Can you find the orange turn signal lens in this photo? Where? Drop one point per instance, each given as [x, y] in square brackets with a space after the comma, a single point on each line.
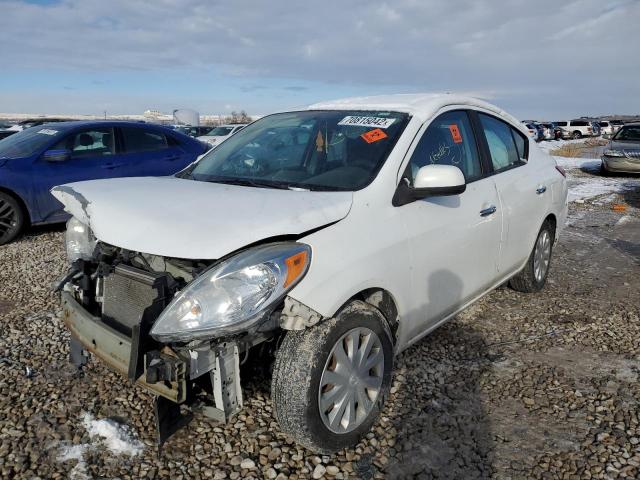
[296, 265]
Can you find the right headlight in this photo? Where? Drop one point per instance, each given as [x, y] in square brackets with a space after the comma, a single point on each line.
[233, 295]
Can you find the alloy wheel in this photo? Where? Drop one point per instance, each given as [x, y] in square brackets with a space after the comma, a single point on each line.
[8, 219]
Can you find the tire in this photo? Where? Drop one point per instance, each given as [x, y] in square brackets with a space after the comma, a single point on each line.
[527, 280]
[12, 218]
[299, 371]
[603, 170]
[576, 135]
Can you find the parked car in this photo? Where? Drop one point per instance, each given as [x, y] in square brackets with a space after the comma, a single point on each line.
[576, 128]
[535, 131]
[605, 128]
[218, 134]
[548, 131]
[193, 131]
[38, 158]
[397, 213]
[616, 124]
[623, 151]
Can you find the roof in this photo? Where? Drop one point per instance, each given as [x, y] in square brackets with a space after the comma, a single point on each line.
[421, 105]
[81, 123]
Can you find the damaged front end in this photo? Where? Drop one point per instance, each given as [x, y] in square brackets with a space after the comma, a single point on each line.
[176, 327]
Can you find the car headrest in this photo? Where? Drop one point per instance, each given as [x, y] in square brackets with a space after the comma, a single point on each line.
[85, 140]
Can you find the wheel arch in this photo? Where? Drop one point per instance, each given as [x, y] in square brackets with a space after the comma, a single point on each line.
[551, 218]
[382, 300]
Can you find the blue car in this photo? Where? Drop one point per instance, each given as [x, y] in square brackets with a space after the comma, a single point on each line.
[39, 158]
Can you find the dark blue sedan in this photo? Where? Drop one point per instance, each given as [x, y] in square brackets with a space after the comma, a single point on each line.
[39, 158]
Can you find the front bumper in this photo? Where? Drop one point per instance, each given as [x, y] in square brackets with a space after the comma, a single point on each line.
[621, 164]
[115, 349]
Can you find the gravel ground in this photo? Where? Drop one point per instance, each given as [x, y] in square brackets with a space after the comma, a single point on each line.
[518, 386]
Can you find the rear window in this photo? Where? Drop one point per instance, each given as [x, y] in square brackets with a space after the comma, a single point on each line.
[141, 140]
[579, 123]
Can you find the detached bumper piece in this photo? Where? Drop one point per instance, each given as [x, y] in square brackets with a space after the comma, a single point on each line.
[133, 299]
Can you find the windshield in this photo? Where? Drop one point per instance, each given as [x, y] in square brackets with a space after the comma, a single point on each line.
[315, 150]
[628, 133]
[219, 132]
[27, 142]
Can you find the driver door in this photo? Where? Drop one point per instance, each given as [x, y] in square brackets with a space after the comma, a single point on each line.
[92, 150]
[454, 239]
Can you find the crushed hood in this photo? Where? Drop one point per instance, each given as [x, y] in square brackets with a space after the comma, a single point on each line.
[197, 220]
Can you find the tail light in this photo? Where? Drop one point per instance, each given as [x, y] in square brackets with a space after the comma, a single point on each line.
[561, 170]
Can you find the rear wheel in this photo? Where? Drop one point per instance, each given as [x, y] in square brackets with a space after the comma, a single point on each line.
[534, 274]
[576, 135]
[12, 218]
[330, 381]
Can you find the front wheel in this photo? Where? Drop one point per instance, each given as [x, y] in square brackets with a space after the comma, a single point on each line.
[576, 135]
[330, 381]
[534, 274]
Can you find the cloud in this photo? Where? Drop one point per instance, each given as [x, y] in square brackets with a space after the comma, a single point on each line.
[559, 52]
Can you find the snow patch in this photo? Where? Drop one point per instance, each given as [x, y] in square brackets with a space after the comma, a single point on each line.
[583, 187]
[116, 437]
[75, 452]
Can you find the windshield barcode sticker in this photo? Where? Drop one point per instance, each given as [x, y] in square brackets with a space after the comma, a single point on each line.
[379, 122]
[47, 131]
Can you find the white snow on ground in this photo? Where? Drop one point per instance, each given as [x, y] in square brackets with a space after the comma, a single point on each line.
[117, 438]
[549, 145]
[75, 452]
[583, 187]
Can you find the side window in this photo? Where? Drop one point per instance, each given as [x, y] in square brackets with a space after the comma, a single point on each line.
[448, 140]
[141, 140]
[94, 142]
[501, 140]
[521, 144]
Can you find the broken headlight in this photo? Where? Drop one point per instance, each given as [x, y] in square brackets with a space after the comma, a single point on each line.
[233, 295]
[79, 240]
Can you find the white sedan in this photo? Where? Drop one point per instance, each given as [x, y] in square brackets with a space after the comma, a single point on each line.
[216, 135]
[330, 239]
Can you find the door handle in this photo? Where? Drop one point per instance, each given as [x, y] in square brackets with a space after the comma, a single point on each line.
[172, 158]
[485, 212]
[111, 166]
[540, 190]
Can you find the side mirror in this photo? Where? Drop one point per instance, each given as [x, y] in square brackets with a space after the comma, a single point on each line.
[56, 155]
[430, 180]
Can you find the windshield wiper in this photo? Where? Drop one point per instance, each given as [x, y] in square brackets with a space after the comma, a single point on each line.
[249, 182]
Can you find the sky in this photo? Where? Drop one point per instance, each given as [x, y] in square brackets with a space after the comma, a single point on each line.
[546, 60]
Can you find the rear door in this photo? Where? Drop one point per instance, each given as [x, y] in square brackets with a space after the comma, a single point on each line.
[92, 151]
[523, 196]
[150, 152]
